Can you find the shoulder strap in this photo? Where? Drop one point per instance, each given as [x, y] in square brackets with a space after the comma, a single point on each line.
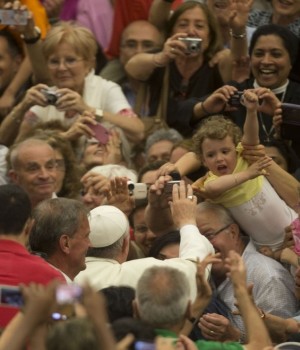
[142, 97]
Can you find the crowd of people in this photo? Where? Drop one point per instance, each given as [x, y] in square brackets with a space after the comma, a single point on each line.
[149, 174]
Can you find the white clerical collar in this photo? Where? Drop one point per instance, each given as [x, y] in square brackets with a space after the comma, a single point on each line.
[280, 90]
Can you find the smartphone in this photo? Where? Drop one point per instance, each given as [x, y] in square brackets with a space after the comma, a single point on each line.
[68, 293]
[290, 127]
[11, 296]
[13, 17]
[137, 190]
[101, 133]
[142, 345]
[169, 186]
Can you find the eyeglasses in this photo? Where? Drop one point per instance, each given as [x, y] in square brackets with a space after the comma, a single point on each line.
[133, 45]
[211, 236]
[69, 62]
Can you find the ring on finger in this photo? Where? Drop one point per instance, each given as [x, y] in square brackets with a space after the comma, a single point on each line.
[211, 332]
[172, 49]
[190, 197]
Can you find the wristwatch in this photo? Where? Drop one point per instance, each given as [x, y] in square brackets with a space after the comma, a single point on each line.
[99, 115]
[33, 39]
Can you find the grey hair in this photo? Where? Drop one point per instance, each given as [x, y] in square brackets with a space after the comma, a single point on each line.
[52, 219]
[221, 212]
[162, 295]
[171, 135]
[109, 252]
[113, 170]
[13, 154]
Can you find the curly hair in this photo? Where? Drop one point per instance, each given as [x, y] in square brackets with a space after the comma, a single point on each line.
[216, 127]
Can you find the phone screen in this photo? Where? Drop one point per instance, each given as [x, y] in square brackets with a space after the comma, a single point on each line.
[68, 293]
[11, 296]
[101, 133]
[13, 17]
[141, 345]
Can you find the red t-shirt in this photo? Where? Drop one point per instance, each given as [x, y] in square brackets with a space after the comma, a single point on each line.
[18, 266]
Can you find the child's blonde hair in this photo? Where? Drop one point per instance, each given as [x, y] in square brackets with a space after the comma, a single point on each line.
[216, 127]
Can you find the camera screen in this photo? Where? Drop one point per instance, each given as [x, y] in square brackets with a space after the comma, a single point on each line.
[68, 293]
[11, 296]
[141, 345]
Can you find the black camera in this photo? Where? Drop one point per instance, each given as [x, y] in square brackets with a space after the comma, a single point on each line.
[193, 45]
[235, 100]
[290, 127]
[51, 96]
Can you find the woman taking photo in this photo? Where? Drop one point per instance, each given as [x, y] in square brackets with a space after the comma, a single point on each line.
[70, 52]
[189, 73]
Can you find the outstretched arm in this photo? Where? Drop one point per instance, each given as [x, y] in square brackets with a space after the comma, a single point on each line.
[185, 165]
[258, 336]
[215, 188]
[251, 126]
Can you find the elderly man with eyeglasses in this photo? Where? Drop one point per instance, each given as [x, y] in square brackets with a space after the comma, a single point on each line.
[273, 286]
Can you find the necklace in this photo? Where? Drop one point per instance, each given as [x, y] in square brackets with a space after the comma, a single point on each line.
[281, 90]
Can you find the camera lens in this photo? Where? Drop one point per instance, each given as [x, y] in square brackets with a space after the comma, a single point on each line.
[193, 47]
[130, 185]
[52, 99]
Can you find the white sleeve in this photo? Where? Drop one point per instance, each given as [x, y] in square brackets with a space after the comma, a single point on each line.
[115, 100]
[193, 244]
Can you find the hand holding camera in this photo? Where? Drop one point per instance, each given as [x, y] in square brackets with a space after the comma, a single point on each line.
[193, 45]
[51, 96]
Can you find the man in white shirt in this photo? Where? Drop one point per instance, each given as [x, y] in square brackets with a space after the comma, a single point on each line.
[106, 259]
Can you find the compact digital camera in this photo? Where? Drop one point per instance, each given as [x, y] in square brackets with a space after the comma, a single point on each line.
[138, 190]
[193, 45]
[51, 96]
[235, 100]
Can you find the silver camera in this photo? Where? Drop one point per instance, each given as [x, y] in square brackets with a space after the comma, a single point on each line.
[193, 45]
[51, 96]
[138, 190]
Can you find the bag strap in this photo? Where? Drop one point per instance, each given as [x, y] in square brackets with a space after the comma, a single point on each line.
[163, 101]
[143, 96]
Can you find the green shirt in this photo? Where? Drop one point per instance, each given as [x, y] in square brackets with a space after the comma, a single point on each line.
[203, 344]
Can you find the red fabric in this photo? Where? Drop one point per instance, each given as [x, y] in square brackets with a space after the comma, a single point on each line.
[126, 11]
[18, 266]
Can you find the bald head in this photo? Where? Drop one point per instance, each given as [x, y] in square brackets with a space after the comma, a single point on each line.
[33, 167]
[23, 147]
[139, 36]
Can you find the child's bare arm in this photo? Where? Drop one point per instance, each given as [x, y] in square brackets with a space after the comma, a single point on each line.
[215, 188]
[251, 126]
[188, 163]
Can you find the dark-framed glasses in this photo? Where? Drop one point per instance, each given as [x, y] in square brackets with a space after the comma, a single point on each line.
[212, 235]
